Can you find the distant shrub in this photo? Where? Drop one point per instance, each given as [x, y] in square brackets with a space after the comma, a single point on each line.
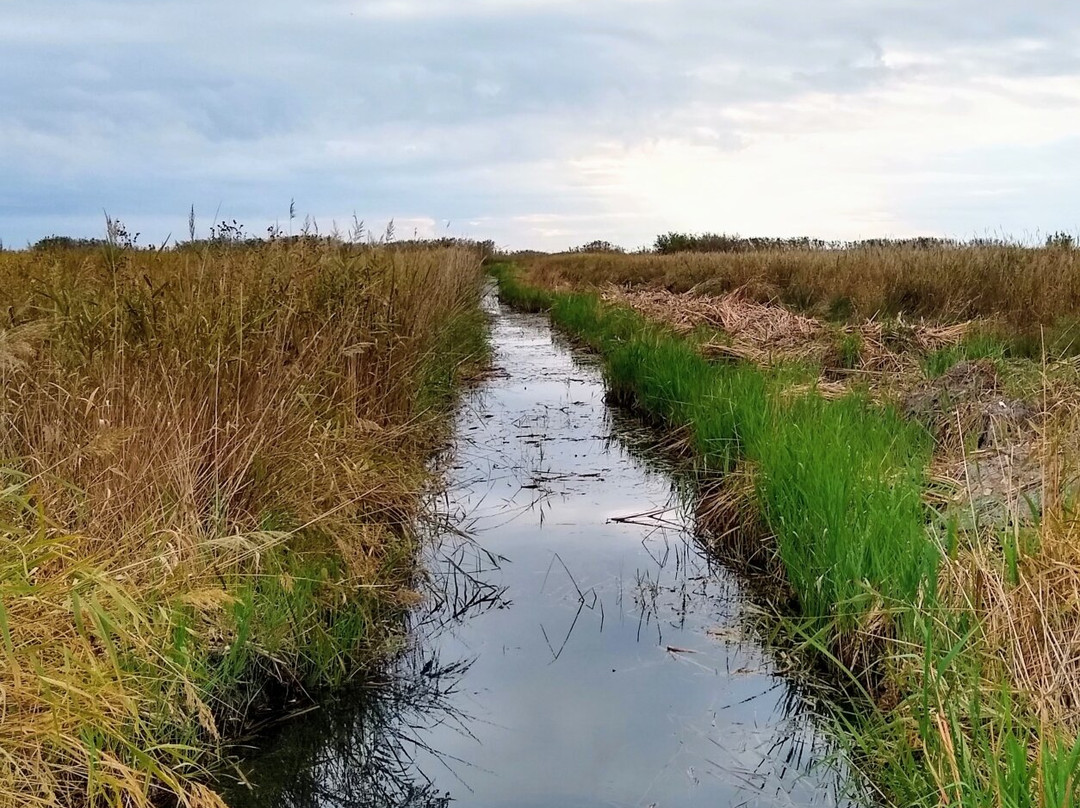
[55, 242]
[598, 246]
[1061, 241]
[116, 235]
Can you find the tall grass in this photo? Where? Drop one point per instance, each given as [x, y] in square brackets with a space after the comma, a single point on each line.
[209, 460]
[1021, 286]
[963, 652]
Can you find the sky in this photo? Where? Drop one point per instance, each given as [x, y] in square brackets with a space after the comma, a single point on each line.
[542, 125]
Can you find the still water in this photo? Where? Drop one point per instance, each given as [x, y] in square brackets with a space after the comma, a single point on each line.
[577, 649]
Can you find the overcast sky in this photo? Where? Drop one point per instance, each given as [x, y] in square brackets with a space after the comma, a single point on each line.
[543, 124]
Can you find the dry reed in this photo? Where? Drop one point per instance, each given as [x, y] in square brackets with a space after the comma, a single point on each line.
[1022, 286]
[208, 462]
[766, 333]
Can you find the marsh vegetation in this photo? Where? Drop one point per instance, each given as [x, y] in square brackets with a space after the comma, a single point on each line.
[210, 459]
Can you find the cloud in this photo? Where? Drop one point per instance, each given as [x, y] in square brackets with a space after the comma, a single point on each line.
[619, 117]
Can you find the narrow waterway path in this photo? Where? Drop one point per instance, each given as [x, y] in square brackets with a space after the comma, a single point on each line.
[579, 649]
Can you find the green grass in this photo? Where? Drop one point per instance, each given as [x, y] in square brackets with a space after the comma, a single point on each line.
[976, 345]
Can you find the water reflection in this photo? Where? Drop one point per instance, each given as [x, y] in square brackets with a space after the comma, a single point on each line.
[361, 752]
[577, 647]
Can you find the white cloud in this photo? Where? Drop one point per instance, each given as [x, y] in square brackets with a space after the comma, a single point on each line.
[618, 118]
[845, 165]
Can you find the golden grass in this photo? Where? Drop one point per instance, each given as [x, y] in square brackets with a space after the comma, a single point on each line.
[1023, 583]
[208, 462]
[1021, 286]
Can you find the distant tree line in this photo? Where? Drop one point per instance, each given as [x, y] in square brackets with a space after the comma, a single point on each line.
[1061, 241]
[232, 234]
[669, 243]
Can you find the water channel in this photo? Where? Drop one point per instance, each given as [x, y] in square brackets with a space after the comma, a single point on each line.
[578, 648]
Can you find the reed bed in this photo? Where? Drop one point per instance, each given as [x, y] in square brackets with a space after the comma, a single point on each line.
[1022, 287]
[209, 460]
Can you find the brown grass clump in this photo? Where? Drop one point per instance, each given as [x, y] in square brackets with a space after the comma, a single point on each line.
[1022, 584]
[208, 462]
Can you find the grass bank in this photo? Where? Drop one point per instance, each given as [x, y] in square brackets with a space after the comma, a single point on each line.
[936, 626]
[209, 462]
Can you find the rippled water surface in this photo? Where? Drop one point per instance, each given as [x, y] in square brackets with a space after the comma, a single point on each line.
[577, 649]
